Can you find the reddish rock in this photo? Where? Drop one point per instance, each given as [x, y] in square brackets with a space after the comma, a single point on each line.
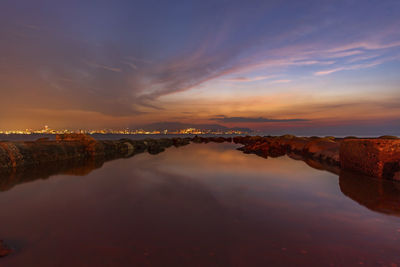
[92, 146]
[323, 149]
[75, 137]
[198, 139]
[4, 250]
[218, 139]
[297, 144]
[277, 147]
[11, 153]
[258, 148]
[17, 155]
[248, 139]
[378, 158]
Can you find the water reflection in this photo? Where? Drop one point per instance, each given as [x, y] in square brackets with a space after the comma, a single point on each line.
[199, 205]
[376, 194]
[45, 171]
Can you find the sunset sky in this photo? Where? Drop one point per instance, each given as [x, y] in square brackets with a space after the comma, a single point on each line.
[303, 67]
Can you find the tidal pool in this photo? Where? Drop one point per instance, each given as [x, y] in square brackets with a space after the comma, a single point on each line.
[200, 205]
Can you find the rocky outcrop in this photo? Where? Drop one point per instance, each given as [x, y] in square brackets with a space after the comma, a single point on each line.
[379, 157]
[17, 156]
[22, 162]
[373, 157]
[219, 139]
[322, 149]
[4, 250]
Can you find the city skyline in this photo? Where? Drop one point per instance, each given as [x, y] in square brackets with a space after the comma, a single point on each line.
[301, 67]
[201, 129]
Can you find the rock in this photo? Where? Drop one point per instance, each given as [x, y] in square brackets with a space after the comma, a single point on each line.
[75, 137]
[388, 137]
[5, 161]
[92, 146]
[323, 149]
[378, 158]
[17, 155]
[350, 137]
[180, 141]
[238, 139]
[4, 250]
[198, 139]
[42, 139]
[247, 139]
[258, 148]
[297, 144]
[217, 139]
[288, 136]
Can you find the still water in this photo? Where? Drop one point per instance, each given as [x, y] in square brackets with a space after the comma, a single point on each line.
[201, 205]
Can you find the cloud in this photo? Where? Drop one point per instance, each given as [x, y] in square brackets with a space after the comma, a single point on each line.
[95, 65]
[252, 119]
[248, 79]
[130, 64]
[370, 45]
[351, 67]
[281, 81]
[126, 70]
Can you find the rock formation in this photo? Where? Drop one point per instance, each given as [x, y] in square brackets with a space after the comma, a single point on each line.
[17, 156]
[378, 158]
[321, 149]
[374, 157]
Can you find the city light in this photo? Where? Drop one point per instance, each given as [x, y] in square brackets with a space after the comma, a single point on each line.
[48, 130]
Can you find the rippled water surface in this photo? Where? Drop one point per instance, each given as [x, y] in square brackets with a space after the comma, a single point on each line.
[200, 205]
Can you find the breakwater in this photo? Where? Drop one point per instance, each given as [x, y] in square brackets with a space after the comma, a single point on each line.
[375, 157]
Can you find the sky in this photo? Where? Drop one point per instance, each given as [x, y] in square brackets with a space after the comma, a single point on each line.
[303, 67]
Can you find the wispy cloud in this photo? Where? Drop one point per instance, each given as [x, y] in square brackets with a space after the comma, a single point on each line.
[352, 67]
[96, 65]
[248, 79]
[281, 81]
[131, 65]
[127, 69]
[252, 119]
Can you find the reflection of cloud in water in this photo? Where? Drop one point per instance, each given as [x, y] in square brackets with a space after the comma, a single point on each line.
[206, 205]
